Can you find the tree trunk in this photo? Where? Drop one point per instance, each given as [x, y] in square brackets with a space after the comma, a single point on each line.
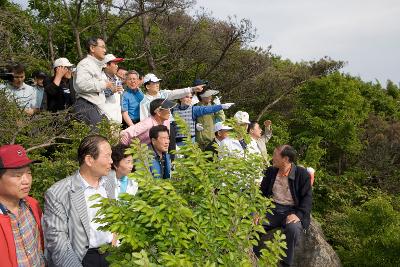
[146, 37]
[50, 40]
[78, 42]
[102, 15]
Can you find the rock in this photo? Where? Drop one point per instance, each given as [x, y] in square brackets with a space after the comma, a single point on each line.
[313, 250]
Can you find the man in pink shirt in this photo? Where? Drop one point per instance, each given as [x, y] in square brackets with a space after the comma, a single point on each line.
[159, 115]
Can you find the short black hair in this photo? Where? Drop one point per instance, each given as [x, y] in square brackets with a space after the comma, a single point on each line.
[118, 154]
[90, 146]
[251, 126]
[16, 68]
[38, 74]
[121, 68]
[288, 151]
[155, 130]
[92, 41]
[155, 104]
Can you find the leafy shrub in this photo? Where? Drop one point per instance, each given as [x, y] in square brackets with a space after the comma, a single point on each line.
[203, 216]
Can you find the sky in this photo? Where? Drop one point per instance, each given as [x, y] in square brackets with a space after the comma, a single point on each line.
[363, 33]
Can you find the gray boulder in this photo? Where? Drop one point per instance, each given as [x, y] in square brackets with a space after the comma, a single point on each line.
[313, 250]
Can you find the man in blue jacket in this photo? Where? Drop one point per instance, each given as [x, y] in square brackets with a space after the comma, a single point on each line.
[161, 164]
[289, 187]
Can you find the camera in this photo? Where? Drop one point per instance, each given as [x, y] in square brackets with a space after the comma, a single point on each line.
[5, 75]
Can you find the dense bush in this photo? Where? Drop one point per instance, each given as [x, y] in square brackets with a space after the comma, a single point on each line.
[203, 216]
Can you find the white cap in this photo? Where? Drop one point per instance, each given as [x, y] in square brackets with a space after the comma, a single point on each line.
[219, 126]
[62, 62]
[150, 77]
[242, 117]
[111, 57]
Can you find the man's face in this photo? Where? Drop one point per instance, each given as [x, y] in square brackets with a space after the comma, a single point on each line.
[112, 68]
[153, 88]
[256, 131]
[163, 114]
[161, 144]
[121, 74]
[206, 100]
[223, 134]
[68, 74]
[102, 165]
[99, 50]
[132, 81]
[16, 183]
[39, 81]
[18, 80]
[277, 160]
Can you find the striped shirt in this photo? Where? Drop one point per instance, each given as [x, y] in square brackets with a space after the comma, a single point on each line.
[26, 237]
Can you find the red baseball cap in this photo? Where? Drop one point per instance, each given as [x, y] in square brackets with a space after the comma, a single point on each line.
[13, 157]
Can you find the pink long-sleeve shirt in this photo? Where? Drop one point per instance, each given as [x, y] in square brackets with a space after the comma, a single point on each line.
[140, 130]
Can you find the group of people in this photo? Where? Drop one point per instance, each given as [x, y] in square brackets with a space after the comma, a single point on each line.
[99, 89]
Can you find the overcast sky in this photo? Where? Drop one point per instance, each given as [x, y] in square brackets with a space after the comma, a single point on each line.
[364, 33]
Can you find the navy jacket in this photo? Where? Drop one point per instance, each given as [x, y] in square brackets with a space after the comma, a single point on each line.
[300, 188]
[156, 168]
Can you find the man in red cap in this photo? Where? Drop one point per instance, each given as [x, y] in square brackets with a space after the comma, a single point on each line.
[112, 105]
[21, 232]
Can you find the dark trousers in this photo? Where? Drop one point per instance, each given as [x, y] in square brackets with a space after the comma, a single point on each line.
[87, 112]
[291, 230]
[94, 259]
[172, 139]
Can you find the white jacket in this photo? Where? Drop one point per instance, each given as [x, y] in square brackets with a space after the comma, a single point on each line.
[90, 83]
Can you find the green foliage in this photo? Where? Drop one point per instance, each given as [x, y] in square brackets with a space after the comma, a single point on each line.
[330, 109]
[202, 216]
[375, 225]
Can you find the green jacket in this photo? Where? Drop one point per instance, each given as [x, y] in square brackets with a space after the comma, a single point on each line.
[204, 137]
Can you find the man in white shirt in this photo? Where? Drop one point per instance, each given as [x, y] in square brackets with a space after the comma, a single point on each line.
[90, 83]
[112, 105]
[72, 237]
[258, 139]
[221, 132]
[25, 95]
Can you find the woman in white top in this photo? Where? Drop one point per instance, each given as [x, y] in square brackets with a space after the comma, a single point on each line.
[121, 167]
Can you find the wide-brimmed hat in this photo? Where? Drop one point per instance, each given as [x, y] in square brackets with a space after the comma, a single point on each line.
[209, 93]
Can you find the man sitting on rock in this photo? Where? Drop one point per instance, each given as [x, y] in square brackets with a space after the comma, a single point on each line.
[290, 188]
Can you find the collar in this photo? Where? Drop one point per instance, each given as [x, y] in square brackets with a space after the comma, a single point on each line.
[183, 107]
[22, 87]
[217, 141]
[85, 184]
[95, 60]
[133, 89]
[112, 78]
[4, 210]
[292, 172]
[156, 154]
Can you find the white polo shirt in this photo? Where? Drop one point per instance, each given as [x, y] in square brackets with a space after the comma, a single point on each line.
[96, 237]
